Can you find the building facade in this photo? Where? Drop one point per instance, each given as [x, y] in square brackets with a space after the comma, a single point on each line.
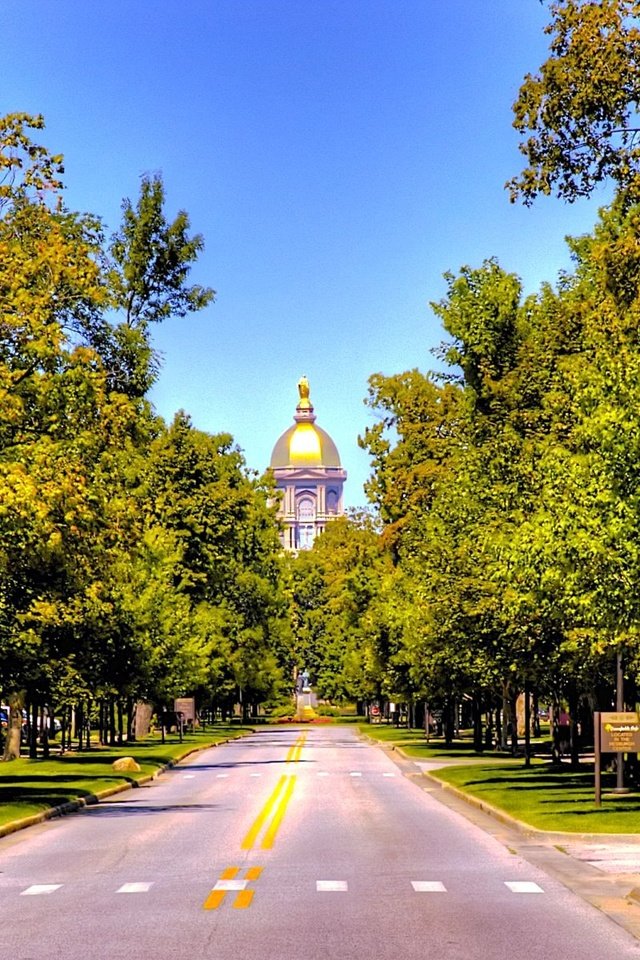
[307, 470]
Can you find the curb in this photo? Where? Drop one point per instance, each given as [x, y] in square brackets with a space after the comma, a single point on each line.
[502, 817]
[72, 806]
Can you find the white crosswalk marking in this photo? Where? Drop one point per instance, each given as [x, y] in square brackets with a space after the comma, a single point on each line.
[428, 886]
[523, 886]
[230, 885]
[38, 888]
[331, 886]
[135, 888]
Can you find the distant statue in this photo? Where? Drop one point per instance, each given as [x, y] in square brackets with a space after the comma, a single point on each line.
[303, 388]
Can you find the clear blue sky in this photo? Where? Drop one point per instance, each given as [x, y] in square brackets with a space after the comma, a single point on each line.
[337, 155]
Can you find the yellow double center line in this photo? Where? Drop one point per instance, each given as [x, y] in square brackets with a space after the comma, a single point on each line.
[266, 825]
[273, 810]
[295, 749]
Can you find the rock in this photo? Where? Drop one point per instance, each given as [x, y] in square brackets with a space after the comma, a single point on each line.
[125, 765]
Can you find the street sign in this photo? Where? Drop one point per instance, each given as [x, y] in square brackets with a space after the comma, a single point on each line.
[620, 733]
[187, 707]
[614, 733]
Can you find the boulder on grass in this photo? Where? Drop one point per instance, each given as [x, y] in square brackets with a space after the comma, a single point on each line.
[125, 765]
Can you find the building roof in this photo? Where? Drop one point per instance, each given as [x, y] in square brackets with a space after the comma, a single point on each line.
[304, 444]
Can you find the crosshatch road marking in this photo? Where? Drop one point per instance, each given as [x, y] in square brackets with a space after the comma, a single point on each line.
[39, 888]
[523, 886]
[428, 886]
[230, 882]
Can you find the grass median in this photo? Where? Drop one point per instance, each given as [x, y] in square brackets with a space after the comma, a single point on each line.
[543, 796]
[29, 787]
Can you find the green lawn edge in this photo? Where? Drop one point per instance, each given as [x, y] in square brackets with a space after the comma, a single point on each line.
[32, 788]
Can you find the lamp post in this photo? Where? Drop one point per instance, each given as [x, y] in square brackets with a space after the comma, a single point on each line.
[619, 787]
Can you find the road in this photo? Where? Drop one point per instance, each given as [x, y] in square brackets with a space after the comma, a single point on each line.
[292, 844]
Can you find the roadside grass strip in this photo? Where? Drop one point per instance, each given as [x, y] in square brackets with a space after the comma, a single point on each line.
[32, 787]
[547, 797]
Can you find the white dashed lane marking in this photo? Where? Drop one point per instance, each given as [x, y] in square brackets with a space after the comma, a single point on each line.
[355, 773]
[189, 776]
[222, 776]
[388, 774]
[428, 886]
[323, 773]
[523, 886]
[332, 886]
[38, 888]
[134, 888]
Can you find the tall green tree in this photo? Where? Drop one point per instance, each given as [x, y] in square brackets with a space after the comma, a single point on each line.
[578, 114]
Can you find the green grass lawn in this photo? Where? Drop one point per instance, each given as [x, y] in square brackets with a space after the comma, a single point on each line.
[414, 744]
[547, 797]
[29, 786]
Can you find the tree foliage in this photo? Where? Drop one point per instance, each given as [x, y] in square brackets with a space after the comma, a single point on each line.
[579, 114]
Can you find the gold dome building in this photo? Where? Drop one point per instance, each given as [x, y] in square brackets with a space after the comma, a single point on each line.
[306, 467]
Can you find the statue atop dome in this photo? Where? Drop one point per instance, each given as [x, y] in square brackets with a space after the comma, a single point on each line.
[305, 407]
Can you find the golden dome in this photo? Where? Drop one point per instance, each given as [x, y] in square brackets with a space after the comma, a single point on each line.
[304, 444]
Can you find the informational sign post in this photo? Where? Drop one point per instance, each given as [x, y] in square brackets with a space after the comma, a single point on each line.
[614, 733]
[187, 707]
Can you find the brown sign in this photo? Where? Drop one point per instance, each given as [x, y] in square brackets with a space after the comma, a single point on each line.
[187, 707]
[620, 732]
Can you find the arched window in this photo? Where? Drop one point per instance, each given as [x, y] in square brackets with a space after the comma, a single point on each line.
[332, 502]
[306, 509]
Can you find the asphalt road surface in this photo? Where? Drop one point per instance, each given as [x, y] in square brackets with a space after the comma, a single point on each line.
[291, 844]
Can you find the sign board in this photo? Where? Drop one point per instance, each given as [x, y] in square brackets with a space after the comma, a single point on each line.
[620, 733]
[187, 707]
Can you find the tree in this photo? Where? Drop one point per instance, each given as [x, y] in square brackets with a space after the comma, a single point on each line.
[579, 114]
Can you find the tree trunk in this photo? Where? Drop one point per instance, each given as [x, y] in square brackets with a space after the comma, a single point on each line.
[120, 724]
[478, 744]
[46, 726]
[447, 718]
[556, 752]
[574, 739]
[14, 730]
[112, 723]
[130, 720]
[33, 731]
[527, 725]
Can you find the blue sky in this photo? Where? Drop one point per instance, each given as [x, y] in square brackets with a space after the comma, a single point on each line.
[338, 157]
